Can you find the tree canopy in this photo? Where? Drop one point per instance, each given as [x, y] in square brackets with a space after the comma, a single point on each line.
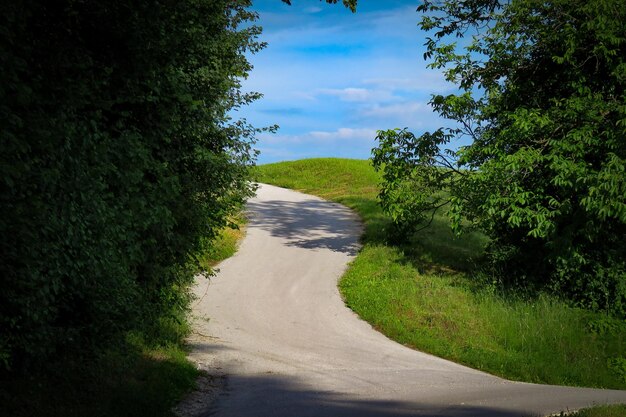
[542, 102]
[351, 4]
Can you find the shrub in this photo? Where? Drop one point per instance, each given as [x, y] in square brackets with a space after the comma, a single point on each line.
[117, 155]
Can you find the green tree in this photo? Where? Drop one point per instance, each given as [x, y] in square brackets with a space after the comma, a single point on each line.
[351, 4]
[542, 100]
[117, 155]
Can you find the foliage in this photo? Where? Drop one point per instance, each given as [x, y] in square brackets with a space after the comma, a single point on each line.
[618, 366]
[129, 380]
[351, 4]
[542, 100]
[222, 246]
[117, 155]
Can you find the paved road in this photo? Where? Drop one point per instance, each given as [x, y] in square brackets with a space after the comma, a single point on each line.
[272, 323]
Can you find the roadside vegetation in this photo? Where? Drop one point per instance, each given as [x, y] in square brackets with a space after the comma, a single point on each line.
[140, 377]
[601, 411]
[534, 155]
[145, 375]
[430, 293]
[120, 162]
[222, 246]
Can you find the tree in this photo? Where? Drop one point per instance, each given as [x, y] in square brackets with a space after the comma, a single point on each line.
[117, 156]
[351, 4]
[542, 99]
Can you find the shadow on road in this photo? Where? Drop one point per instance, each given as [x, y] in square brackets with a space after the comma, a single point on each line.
[308, 224]
[279, 396]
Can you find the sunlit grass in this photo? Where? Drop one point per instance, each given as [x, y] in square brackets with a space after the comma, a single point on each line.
[427, 294]
[223, 246]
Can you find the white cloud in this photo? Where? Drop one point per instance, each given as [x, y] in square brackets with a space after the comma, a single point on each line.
[313, 9]
[352, 94]
[341, 135]
[346, 74]
[296, 27]
[428, 81]
[343, 142]
[413, 114]
[344, 133]
[398, 109]
[274, 154]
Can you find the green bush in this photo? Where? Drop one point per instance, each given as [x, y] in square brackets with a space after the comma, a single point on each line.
[117, 155]
[542, 108]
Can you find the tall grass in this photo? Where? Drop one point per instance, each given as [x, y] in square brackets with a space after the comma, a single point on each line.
[223, 246]
[427, 294]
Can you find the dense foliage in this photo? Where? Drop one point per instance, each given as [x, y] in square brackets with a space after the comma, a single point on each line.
[117, 154]
[542, 100]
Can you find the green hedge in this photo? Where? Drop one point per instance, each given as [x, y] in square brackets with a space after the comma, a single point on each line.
[116, 156]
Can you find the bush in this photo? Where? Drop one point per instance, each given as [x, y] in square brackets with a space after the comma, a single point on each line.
[117, 155]
[542, 106]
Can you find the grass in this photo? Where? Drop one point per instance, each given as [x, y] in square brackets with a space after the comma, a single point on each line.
[346, 181]
[143, 376]
[427, 294]
[135, 379]
[224, 246]
[602, 411]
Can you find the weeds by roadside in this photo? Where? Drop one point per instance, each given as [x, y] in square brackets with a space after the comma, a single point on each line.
[601, 411]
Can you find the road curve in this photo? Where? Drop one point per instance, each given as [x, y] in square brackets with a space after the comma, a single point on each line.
[272, 328]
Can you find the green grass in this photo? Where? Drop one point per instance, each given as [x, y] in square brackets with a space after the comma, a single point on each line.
[602, 411]
[136, 379]
[350, 182]
[224, 246]
[426, 294]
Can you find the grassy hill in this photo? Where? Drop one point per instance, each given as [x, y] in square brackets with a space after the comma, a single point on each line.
[431, 294]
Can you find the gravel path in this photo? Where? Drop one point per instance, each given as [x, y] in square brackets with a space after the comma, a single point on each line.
[276, 340]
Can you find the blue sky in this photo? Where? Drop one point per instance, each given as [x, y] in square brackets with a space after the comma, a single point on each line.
[331, 78]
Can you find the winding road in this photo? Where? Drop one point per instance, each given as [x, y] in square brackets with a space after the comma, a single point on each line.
[273, 331]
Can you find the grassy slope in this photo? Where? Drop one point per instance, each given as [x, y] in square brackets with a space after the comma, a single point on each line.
[424, 296]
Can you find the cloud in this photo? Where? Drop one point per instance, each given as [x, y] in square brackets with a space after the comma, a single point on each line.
[273, 154]
[344, 133]
[413, 114]
[286, 111]
[330, 78]
[352, 94]
[313, 9]
[341, 135]
[427, 81]
[343, 142]
[398, 109]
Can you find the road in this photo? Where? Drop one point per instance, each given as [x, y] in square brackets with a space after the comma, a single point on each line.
[272, 330]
